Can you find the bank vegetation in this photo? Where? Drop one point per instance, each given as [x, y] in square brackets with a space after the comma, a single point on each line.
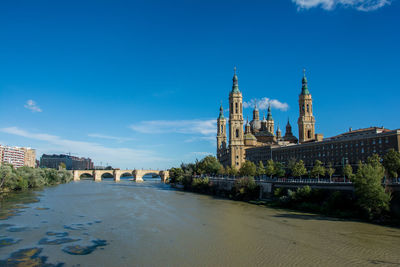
[371, 199]
[12, 179]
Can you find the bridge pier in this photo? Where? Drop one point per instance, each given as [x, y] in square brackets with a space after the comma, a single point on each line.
[117, 175]
[76, 175]
[97, 176]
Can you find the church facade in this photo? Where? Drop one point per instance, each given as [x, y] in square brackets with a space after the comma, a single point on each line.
[260, 142]
[259, 132]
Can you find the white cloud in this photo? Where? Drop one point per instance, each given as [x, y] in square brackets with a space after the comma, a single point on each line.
[115, 138]
[196, 126]
[127, 157]
[361, 5]
[264, 102]
[30, 104]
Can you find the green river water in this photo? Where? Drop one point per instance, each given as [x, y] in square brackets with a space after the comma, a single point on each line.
[89, 223]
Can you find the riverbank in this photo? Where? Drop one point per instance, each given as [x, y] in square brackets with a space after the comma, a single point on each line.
[336, 204]
[24, 178]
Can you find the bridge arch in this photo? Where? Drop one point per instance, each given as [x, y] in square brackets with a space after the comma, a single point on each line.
[85, 175]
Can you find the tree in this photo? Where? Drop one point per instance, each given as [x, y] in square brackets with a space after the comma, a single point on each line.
[299, 169]
[371, 196]
[279, 169]
[248, 169]
[209, 165]
[348, 172]
[270, 168]
[232, 171]
[260, 169]
[318, 169]
[175, 175]
[62, 165]
[330, 171]
[245, 188]
[374, 160]
[221, 170]
[291, 165]
[391, 162]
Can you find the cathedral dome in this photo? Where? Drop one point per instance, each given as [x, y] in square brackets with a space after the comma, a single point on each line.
[249, 136]
[255, 125]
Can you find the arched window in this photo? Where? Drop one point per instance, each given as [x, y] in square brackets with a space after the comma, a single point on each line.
[237, 133]
[309, 134]
[303, 108]
[236, 107]
[308, 108]
[232, 107]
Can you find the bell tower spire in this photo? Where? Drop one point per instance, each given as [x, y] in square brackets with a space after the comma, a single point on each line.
[236, 136]
[306, 121]
[221, 133]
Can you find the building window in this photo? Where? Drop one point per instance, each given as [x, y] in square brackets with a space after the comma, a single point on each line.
[237, 133]
[373, 141]
[362, 150]
[380, 141]
[386, 140]
[308, 108]
[309, 134]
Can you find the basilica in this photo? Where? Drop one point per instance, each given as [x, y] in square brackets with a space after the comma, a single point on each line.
[257, 132]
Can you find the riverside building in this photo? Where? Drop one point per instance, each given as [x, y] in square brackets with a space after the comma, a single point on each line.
[260, 142]
[71, 162]
[18, 156]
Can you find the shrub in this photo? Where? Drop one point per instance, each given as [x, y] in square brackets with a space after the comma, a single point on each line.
[245, 189]
[27, 177]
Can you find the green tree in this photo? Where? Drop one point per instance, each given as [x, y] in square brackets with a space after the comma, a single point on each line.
[209, 165]
[221, 170]
[318, 170]
[348, 172]
[248, 169]
[245, 188]
[330, 171]
[391, 162]
[291, 165]
[232, 171]
[62, 166]
[279, 169]
[270, 168]
[374, 160]
[260, 169]
[299, 169]
[175, 175]
[371, 196]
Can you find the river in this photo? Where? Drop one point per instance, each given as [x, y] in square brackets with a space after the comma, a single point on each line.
[89, 223]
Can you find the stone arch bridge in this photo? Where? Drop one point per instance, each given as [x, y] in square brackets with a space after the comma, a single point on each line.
[137, 174]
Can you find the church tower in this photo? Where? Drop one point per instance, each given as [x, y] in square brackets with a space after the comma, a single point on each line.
[270, 121]
[236, 140]
[221, 132]
[306, 121]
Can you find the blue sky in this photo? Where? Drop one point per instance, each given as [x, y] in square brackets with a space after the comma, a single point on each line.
[137, 84]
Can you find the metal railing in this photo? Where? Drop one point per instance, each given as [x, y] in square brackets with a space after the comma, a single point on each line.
[292, 180]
